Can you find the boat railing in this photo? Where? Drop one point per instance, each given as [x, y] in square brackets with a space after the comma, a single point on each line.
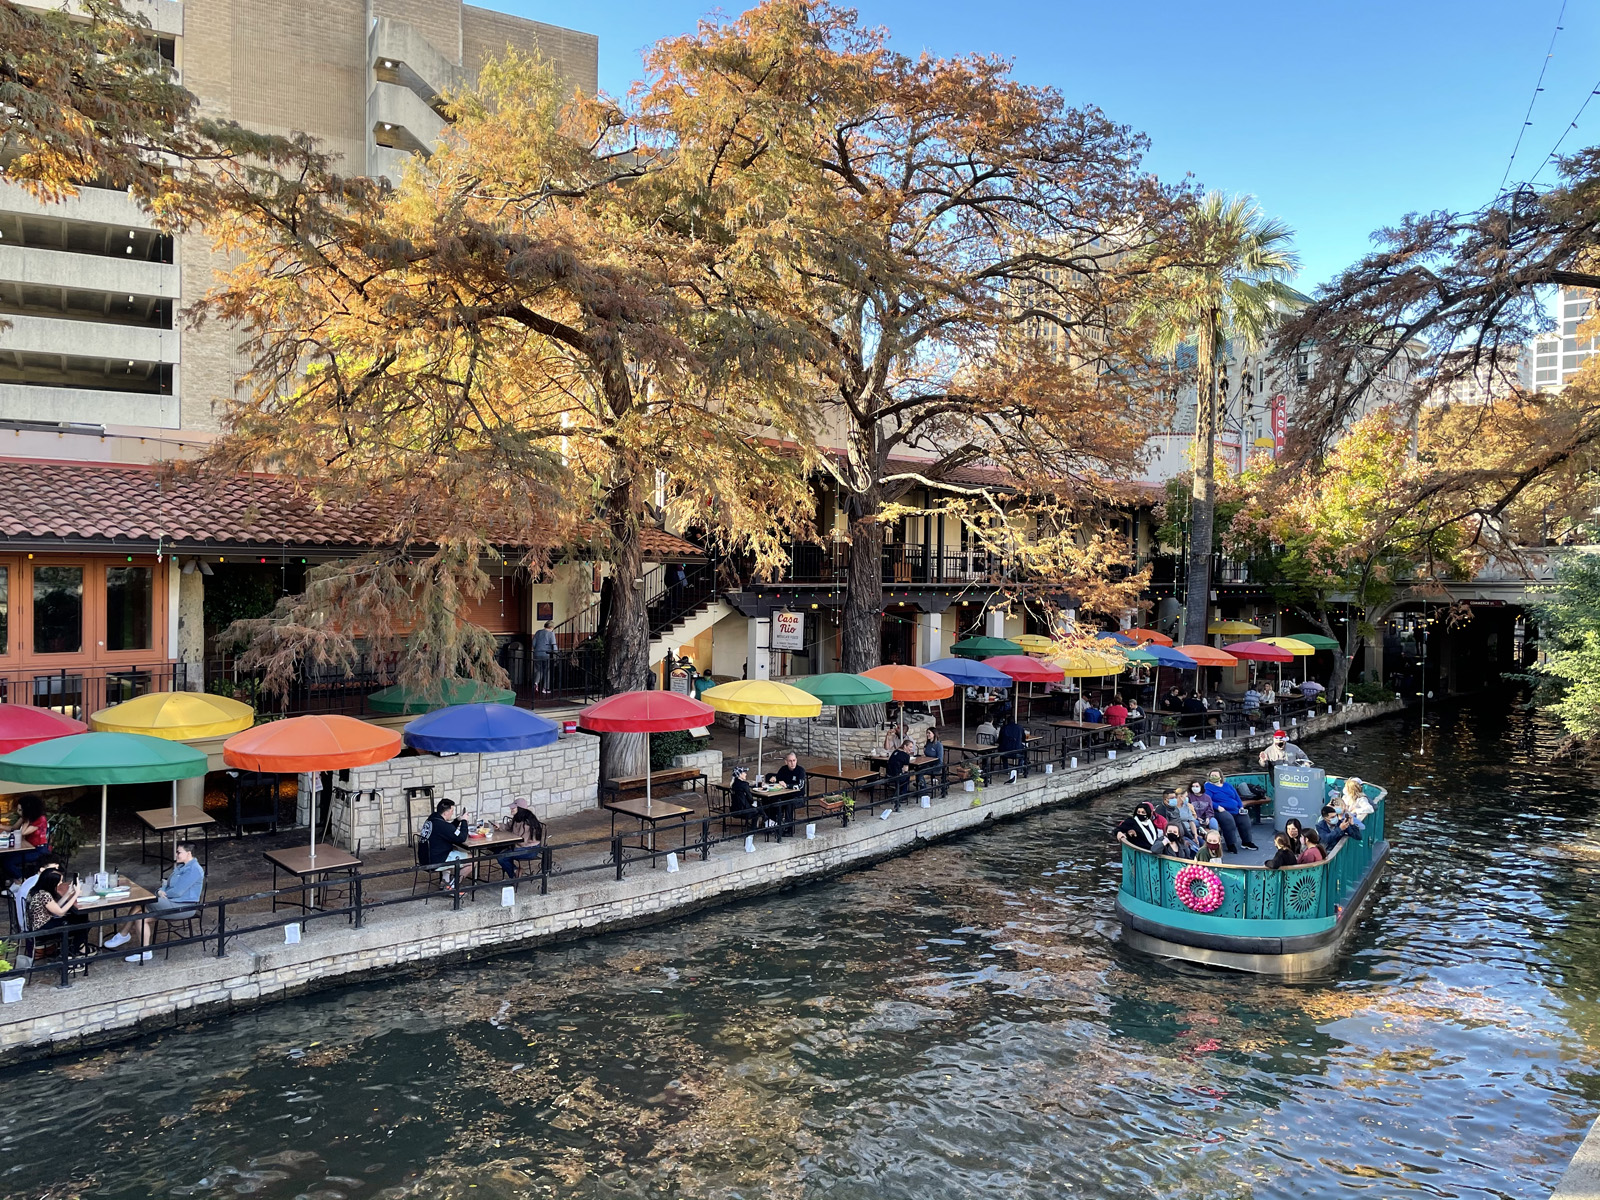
[1261, 893]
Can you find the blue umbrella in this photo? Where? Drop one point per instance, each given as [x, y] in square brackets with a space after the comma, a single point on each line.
[479, 729]
[1166, 656]
[965, 673]
[1121, 639]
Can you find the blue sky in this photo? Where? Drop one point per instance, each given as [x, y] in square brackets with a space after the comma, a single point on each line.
[1339, 116]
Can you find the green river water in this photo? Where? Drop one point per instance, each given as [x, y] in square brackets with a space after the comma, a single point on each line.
[960, 1022]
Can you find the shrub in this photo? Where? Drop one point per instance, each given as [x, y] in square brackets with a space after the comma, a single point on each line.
[1370, 693]
[664, 747]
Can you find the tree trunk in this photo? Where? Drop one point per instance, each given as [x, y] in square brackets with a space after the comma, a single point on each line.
[861, 626]
[626, 632]
[1203, 500]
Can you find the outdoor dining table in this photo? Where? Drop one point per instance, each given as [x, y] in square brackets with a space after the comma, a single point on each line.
[826, 770]
[493, 842]
[649, 813]
[94, 907]
[165, 820]
[299, 862]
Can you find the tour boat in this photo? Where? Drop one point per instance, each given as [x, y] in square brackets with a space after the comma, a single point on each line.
[1243, 915]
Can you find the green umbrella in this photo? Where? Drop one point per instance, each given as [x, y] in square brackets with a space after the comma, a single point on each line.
[1319, 640]
[838, 688]
[445, 694]
[984, 647]
[103, 758]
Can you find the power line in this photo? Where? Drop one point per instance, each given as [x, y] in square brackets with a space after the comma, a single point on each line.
[1573, 124]
[1538, 87]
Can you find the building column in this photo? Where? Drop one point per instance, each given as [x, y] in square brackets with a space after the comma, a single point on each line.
[758, 648]
[929, 626]
[191, 650]
[994, 622]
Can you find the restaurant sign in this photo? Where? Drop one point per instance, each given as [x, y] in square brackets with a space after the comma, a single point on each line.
[788, 631]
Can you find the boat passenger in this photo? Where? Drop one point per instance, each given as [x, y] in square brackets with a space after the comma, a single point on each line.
[1140, 829]
[1283, 750]
[1166, 809]
[1175, 845]
[1233, 818]
[1296, 833]
[1355, 799]
[1285, 855]
[1335, 826]
[1313, 849]
[1187, 818]
[1196, 798]
[1212, 850]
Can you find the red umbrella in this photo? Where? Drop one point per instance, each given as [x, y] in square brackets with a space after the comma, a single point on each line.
[24, 725]
[646, 712]
[1259, 651]
[1025, 669]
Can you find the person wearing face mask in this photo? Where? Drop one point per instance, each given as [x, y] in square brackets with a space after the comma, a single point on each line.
[1139, 830]
[1195, 797]
[1232, 816]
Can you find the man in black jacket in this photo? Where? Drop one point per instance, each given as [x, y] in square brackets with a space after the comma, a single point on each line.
[442, 840]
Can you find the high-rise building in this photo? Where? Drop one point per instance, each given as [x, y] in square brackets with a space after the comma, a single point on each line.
[1556, 359]
[93, 295]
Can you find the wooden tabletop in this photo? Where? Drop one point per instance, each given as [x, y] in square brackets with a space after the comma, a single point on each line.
[829, 770]
[161, 820]
[920, 760]
[89, 902]
[495, 839]
[776, 793]
[1081, 725]
[297, 860]
[659, 810]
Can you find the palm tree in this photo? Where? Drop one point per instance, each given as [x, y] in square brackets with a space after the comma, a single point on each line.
[1230, 284]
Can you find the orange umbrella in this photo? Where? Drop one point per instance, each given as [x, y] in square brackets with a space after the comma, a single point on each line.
[1147, 635]
[912, 683]
[303, 744]
[1207, 656]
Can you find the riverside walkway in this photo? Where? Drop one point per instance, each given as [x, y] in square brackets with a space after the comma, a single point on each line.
[382, 927]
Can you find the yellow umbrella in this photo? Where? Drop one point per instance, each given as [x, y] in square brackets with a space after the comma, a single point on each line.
[1035, 643]
[1079, 663]
[762, 698]
[176, 716]
[1294, 646]
[1233, 627]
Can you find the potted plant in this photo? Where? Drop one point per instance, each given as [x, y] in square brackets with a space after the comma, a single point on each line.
[11, 980]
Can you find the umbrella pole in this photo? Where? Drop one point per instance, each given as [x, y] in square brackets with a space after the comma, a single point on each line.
[102, 829]
[963, 714]
[174, 799]
[838, 740]
[315, 779]
[649, 801]
[477, 786]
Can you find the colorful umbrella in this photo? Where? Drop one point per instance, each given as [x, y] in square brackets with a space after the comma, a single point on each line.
[1226, 627]
[1117, 636]
[1148, 635]
[1260, 652]
[307, 744]
[103, 758]
[984, 647]
[841, 689]
[762, 698]
[480, 729]
[1320, 641]
[24, 725]
[1027, 670]
[1295, 647]
[912, 683]
[1207, 656]
[445, 694]
[1076, 662]
[176, 716]
[969, 672]
[1035, 643]
[646, 712]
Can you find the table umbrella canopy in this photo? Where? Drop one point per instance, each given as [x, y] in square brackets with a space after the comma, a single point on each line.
[23, 725]
[1162, 656]
[1260, 652]
[1148, 635]
[1076, 662]
[762, 698]
[913, 683]
[1320, 641]
[646, 712]
[176, 716]
[480, 729]
[1117, 636]
[1035, 643]
[969, 672]
[102, 758]
[1294, 646]
[1026, 670]
[838, 687]
[319, 743]
[984, 647]
[1207, 656]
[449, 692]
[1233, 627]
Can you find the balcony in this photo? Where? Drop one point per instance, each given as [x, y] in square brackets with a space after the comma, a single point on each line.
[829, 563]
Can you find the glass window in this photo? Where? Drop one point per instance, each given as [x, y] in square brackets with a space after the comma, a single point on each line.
[57, 610]
[130, 607]
[5, 610]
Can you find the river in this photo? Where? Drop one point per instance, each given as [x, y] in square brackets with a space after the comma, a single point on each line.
[960, 1022]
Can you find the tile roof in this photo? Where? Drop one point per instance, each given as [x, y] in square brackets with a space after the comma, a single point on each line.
[98, 502]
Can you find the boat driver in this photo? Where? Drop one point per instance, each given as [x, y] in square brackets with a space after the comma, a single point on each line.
[1282, 750]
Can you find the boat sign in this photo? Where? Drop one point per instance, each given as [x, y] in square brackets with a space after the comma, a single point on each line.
[1297, 792]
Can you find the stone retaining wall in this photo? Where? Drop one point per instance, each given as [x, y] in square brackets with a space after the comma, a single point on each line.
[114, 1003]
